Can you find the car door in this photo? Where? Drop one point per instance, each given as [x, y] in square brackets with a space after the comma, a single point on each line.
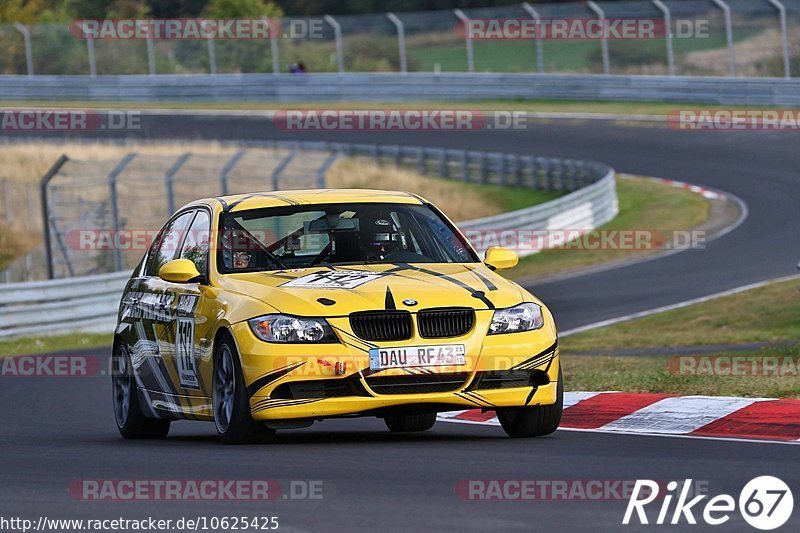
[154, 347]
[192, 326]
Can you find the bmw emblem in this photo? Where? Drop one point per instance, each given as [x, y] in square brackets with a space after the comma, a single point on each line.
[409, 302]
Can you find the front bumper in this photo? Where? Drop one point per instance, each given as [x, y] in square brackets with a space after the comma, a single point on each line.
[270, 370]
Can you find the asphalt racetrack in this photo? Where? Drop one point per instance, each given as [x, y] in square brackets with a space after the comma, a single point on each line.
[57, 430]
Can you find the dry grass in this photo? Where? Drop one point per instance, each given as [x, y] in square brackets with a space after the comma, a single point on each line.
[27, 162]
[751, 55]
[363, 175]
[15, 242]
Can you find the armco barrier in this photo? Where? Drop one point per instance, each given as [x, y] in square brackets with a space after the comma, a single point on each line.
[90, 303]
[586, 208]
[391, 87]
[61, 306]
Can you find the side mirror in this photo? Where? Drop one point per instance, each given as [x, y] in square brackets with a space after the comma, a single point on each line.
[179, 271]
[499, 258]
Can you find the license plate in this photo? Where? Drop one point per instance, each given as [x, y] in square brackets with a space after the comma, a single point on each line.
[414, 356]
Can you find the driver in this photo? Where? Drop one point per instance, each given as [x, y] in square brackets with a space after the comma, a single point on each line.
[379, 236]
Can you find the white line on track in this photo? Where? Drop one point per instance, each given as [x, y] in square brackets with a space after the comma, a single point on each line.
[680, 305]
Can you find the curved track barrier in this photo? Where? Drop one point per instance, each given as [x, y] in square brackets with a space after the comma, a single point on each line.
[89, 302]
[393, 87]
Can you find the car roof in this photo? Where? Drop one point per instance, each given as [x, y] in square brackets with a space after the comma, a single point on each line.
[241, 202]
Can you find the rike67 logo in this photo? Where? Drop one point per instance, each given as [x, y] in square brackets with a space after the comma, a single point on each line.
[765, 503]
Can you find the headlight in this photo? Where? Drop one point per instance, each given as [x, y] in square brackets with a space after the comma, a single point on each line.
[522, 317]
[285, 328]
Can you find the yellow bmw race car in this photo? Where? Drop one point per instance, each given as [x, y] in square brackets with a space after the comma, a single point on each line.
[272, 310]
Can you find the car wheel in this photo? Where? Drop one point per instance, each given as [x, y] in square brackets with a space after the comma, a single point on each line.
[232, 416]
[408, 423]
[131, 422]
[534, 421]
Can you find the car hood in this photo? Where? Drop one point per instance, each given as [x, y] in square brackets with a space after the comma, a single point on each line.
[328, 291]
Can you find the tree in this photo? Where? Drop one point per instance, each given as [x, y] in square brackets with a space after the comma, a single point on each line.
[25, 11]
[220, 9]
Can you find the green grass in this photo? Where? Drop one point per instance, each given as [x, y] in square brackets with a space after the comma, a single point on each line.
[559, 56]
[508, 56]
[657, 375]
[511, 198]
[45, 344]
[643, 205]
[765, 314]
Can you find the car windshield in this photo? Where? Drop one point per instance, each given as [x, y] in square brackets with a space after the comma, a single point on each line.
[278, 238]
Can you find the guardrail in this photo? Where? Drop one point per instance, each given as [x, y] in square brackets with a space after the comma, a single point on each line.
[392, 87]
[90, 303]
[586, 208]
[87, 303]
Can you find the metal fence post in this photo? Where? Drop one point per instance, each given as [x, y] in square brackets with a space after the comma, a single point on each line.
[601, 15]
[483, 171]
[322, 171]
[726, 10]
[226, 170]
[668, 26]
[212, 52]
[273, 46]
[112, 189]
[46, 211]
[151, 55]
[90, 52]
[539, 51]
[401, 40]
[32, 222]
[337, 35]
[7, 219]
[168, 178]
[26, 36]
[787, 67]
[276, 173]
[467, 39]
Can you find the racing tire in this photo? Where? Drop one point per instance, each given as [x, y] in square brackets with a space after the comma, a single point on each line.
[131, 422]
[232, 416]
[410, 423]
[536, 421]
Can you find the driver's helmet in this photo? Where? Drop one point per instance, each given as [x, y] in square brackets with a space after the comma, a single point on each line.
[378, 234]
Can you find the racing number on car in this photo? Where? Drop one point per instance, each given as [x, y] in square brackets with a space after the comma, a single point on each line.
[184, 353]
